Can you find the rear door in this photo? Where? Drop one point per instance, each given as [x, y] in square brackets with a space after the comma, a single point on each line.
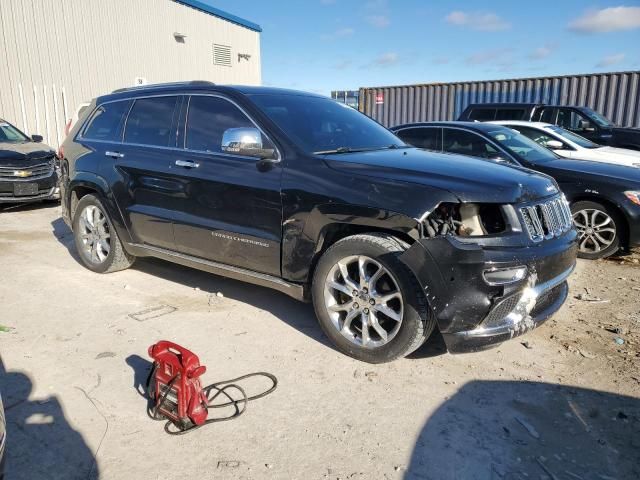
[147, 189]
[231, 210]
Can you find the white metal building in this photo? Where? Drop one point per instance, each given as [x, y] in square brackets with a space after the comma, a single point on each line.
[55, 54]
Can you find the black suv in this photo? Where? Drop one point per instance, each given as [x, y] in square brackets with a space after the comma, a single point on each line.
[581, 120]
[302, 194]
[28, 168]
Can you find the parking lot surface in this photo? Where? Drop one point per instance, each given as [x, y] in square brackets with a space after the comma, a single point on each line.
[562, 402]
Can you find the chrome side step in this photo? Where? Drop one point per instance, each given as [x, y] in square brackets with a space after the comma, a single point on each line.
[265, 280]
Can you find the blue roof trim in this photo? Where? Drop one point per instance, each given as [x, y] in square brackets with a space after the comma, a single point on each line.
[206, 8]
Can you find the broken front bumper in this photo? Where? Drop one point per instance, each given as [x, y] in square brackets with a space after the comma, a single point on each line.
[473, 314]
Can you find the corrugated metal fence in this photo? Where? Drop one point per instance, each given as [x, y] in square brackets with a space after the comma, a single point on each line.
[615, 95]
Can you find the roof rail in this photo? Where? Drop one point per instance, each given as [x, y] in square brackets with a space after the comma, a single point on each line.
[203, 83]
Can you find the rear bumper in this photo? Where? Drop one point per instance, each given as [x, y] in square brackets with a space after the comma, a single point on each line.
[472, 314]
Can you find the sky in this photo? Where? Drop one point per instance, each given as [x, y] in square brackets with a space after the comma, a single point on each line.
[325, 45]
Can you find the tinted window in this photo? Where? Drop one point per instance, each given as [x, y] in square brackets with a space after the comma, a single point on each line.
[106, 121]
[482, 114]
[150, 122]
[428, 138]
[320, 124]
[597, 118]
[207, 120]
[547, 115]
[583, 142]
[570, 119]
[510, 114]
[467, 143]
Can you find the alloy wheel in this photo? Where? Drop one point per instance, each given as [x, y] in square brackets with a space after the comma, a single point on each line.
[596, 230]
[94, 234]
[364, 301]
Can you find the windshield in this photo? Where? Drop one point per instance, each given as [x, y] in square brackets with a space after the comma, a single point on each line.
[322, 125]
[10, 134]
[522, 146]
[577, 139]
[596, 117]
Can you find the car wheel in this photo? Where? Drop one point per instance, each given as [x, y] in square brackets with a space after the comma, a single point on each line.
[96, 240]
[598, 229]
[368, 302]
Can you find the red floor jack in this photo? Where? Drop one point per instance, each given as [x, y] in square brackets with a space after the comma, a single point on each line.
[178, 396]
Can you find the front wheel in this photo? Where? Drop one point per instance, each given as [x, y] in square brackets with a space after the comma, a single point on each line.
[368, 302]
[598, 229]
[96, 240]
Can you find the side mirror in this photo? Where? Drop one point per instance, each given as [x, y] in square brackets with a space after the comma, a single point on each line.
[37, 138]
[585, 125]
[554, 145]
[246, 141]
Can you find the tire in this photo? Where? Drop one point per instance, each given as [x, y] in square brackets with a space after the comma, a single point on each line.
[335, 308]
[100, 259]
[599, 229]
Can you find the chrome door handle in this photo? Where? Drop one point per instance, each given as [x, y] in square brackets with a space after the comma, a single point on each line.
[187, 164]
[114, 154]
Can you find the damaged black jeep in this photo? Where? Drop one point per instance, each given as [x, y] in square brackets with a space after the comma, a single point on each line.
[296, 192]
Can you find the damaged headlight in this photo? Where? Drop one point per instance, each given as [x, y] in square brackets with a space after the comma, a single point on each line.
[467, 219]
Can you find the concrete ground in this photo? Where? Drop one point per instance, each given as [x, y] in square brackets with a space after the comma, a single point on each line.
[562, 402]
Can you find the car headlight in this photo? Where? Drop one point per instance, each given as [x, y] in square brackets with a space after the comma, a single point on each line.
[634, 196]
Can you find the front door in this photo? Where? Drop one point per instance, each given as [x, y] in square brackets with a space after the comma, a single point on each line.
[231, 211]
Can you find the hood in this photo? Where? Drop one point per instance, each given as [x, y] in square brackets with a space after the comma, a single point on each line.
[24, 154]
[620, 156]
[631, 130]
[470, 179]
[600, 170]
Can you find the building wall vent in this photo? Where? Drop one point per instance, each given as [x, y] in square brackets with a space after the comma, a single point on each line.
[221, 55]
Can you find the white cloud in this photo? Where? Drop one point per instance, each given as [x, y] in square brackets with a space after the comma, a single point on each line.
[500, 56]
[541, 52]
[610, 60]
[486, 22]
[340, 33]
[378, 21]
[607, 20]
[385, 59]
[343, 64]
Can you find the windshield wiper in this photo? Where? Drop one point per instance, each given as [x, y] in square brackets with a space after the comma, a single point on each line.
[337, 150]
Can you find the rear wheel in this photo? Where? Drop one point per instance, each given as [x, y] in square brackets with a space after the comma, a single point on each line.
[368, 302]
[598, 229]
[96, 240]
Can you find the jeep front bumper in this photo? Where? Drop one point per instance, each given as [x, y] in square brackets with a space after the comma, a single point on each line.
[473, 314]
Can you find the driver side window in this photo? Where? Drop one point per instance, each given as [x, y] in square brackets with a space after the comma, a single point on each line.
[570, 119]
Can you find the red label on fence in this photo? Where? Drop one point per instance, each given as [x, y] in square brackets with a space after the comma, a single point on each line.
[379, 98]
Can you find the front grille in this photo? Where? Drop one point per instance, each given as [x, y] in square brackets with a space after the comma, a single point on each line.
[33, 172]
[547, 220]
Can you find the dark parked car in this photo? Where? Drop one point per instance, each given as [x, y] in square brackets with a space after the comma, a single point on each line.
[302, 194]
[604, 197]
[581, 120]
[28, 168]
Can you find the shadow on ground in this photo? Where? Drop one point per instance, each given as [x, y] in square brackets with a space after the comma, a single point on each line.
[525, 430]
[41, 444]
[296, 314]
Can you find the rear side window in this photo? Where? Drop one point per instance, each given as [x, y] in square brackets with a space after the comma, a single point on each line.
[106, 121]
[207, 120]
[151, 122]
[427, 138]
[482, 114]
[510, 114]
